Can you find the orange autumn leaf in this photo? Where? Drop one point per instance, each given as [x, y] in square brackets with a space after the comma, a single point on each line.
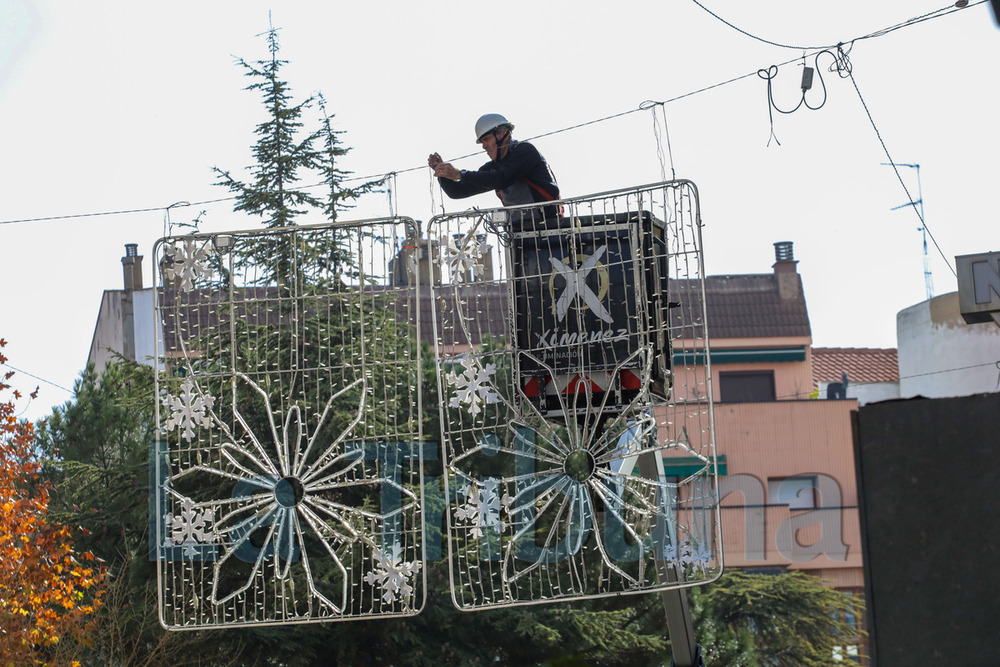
[42, 581]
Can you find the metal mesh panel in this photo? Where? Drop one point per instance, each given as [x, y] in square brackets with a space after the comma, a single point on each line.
[562, 418]
[288, 480]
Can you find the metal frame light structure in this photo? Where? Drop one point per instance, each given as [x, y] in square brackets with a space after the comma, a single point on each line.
[289, 476]
[559, 404]
[289, 473]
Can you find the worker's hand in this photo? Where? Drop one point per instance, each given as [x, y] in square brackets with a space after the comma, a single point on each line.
[434, 160]
[446, 170]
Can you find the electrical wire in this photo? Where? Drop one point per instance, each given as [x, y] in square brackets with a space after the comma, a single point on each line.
[950, 370]
[841, 65]
[879, 33]
[653, 106]
[944, 11]
[752, 36]
[121, 212]
[390, 193]
[40, 379]
[899, 176]
[854, 383]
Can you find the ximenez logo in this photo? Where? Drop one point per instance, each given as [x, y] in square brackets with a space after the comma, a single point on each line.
[550, 338]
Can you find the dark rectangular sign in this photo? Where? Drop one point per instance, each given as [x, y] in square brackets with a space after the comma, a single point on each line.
[590, 291]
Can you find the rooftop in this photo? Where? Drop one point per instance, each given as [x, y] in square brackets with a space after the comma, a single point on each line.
[862, 364]
[752, 306]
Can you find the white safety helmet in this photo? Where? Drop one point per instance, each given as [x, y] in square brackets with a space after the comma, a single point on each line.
[488, 123]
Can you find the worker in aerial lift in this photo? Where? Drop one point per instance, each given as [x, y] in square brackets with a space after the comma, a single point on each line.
[516, 170]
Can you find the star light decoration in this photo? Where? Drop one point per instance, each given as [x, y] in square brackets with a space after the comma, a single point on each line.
[186, 262]
[575, 472]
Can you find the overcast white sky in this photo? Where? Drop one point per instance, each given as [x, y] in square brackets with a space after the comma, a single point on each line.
[110, 106]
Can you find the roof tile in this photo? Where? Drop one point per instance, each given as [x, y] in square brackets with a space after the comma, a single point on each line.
[862, 364]
[750, 306]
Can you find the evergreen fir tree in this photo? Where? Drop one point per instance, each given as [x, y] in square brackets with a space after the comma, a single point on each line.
[287, 153]
[281, 155]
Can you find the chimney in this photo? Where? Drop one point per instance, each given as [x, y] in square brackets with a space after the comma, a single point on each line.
[789, 286]
[428, 270]
[414, 262]
[132, 267]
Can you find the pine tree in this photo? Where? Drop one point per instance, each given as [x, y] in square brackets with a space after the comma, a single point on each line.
[281, 156]
[287, 153]
[789, 619]
[340, 262]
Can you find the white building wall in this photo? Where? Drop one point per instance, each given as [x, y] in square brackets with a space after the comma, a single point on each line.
[145, 325]
[865, 392]
[873, 392]
[110, 334]
[942, 356]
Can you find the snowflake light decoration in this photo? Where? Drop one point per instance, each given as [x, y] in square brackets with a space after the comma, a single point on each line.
[191, 527]
[188, 411]
[392, 575]
[484, 507]
[574, 418]
[691, 553]
[186, 262]
[464, 257]
[294, 451]
[474, 386]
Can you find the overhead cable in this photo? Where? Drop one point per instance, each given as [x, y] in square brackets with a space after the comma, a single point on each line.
[899, 176]
[40, 379]
[935, 14]
[878, 33]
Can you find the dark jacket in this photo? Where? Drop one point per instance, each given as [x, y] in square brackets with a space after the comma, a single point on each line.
[520, 177]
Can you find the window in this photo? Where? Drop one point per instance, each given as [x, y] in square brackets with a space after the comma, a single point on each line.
[746, 386]
[799, 493]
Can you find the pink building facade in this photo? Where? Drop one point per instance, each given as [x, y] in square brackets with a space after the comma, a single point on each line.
[785, 456]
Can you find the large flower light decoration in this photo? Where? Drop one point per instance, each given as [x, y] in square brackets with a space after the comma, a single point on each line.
[572, 517]
[287, 519]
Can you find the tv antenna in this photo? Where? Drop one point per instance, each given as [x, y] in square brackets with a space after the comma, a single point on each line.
[928, 276]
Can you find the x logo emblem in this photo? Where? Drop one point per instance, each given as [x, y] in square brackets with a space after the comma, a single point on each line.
[576, 286]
